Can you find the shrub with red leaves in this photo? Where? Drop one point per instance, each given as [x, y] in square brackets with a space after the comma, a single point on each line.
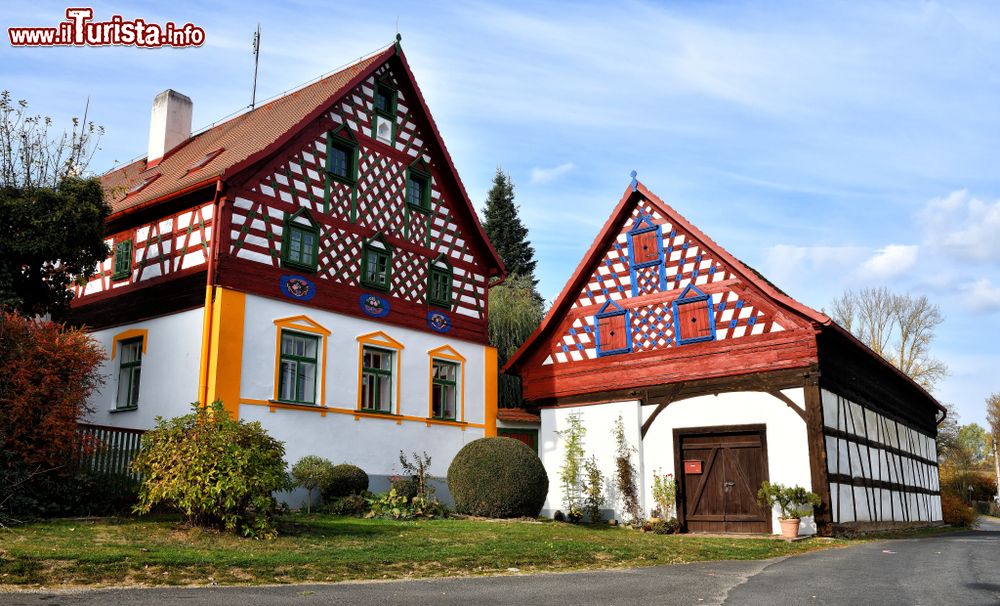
[47, 373]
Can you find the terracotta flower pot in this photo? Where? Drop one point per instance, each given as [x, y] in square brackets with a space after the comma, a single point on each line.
[789, 528]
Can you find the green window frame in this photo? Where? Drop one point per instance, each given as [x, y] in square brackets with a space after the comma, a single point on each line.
[439, 283]
[298, 367]
[123, 260]
[300, 242]
[377, 379]
[384, 106]
[342, 161]
[376, 264]
[129, 373]
[418, 190]
[444, 389]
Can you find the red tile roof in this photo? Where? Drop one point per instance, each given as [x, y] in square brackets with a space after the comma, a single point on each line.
[517, 415]
[239, 138]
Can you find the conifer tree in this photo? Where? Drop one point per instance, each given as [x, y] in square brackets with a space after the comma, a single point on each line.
[516, 308]
[505, 230]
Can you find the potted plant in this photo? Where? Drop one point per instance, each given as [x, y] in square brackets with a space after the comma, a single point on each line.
[794, 502]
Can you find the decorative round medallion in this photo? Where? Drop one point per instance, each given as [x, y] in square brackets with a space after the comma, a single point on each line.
[438, 321]
[373, 305]
[297, 287]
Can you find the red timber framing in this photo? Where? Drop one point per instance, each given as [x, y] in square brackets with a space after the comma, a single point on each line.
[739, 333]
[256, 185]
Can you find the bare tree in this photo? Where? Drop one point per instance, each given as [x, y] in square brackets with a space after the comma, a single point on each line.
[993, 415]
[900, 328]
[31, 156]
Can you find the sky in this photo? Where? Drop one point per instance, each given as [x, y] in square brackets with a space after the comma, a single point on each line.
[829, 145]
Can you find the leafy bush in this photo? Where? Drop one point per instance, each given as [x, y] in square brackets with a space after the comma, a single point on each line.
[47, 373]
[593, 490]
[497, 478]
[664, 493]
[351, 505]
[955, 511]
[397, 507]
[346, 480]
[218, 472]
[404, 487]
[794, 501]
[314, 474]
[661, 526]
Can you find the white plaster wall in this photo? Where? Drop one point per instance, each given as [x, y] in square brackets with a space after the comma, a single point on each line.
[372, 444]
[786, 434]
[599, 420]
[170, 365]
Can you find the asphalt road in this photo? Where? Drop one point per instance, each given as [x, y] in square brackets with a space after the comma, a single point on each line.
[959, 568]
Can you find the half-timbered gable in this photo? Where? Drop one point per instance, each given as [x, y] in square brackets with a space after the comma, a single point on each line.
[724, 381]
[681, 304]
[314, 263]
[360, 186]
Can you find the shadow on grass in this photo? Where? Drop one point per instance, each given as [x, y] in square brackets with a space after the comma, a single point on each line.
[325, 526]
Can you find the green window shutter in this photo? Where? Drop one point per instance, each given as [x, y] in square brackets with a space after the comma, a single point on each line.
[300, 243]
[123, 260]
[376, 264]
[439, 285]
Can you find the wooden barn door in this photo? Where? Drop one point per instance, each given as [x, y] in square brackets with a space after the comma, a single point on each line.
[719, 471]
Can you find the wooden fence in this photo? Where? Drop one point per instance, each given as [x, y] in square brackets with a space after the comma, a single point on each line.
[108, 450]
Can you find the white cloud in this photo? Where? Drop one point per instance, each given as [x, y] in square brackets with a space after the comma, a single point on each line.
[984, 295]
[891, 261]
[787, 264]
[964, 224]
[544, 175]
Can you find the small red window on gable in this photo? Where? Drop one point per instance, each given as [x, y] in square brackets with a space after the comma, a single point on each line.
[644, 249]
[612, 333]
[694, 322]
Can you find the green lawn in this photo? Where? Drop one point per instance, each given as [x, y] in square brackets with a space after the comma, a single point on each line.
[158, 551]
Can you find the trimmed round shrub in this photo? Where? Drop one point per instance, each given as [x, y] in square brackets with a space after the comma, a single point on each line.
[346, 479]
[497, 478]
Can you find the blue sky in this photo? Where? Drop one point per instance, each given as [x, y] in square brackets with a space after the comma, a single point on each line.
[829, 145]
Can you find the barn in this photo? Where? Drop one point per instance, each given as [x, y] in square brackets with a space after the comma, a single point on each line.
[724, 381]
[314, 263]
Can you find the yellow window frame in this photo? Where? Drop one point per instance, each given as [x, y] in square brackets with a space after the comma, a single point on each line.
[307, 325]
[384, 341]
[131, 333]
[449, 354]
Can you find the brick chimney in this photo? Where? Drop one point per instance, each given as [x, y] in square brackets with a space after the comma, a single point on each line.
[169, 124]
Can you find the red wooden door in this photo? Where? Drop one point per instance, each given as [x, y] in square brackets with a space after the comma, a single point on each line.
[723, 497]
[612, 332]
[644, 247]
[693, 320]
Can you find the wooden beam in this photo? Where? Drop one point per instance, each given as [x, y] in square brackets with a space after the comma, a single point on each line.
[666, 401]
[788, 401]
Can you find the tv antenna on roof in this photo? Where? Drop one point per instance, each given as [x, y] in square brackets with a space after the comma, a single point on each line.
[256, 60]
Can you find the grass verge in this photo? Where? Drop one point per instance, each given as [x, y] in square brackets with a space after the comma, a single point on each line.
[317, 548]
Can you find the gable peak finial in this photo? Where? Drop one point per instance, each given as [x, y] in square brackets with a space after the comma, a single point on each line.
[635, 182]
